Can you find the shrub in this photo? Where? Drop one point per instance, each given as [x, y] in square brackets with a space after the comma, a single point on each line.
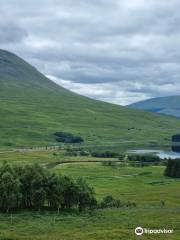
[110, 202]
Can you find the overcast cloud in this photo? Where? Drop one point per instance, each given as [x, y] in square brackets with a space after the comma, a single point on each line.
[119, 51]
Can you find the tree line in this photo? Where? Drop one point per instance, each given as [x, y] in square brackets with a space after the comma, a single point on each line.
[144, 158]
[33, 187]
[173, 168]
[87, 152]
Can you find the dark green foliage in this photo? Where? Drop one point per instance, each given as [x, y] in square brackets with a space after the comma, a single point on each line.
[110, 202]
[34, 187]
[176, 138]
[32, 180]
[86, 195]
[76, 152]
[175, 148]
[106, 154]
[173, 168]
[68, 138]
[10, 194]
[130, 204]
[144, 158]
[69, 192]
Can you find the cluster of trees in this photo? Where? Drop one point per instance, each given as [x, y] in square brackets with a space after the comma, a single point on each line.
[86, 152]
[173, 168]
[68, 138]
[144, 158]
[76, 152]
[106, 154]
[176, 138]
[33, 187]
[175, 148]
[145, 164]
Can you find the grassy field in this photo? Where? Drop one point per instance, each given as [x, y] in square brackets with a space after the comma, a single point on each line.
[33, 108]
[44, 157]
[103, 224]
[146, 186]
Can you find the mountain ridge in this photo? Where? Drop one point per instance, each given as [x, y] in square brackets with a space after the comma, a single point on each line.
[33, 108]
[169, 105]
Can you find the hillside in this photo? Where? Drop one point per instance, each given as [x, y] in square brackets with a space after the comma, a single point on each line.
[33, 108]
[164, 105]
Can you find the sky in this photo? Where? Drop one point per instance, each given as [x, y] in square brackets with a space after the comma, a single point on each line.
[119, 51]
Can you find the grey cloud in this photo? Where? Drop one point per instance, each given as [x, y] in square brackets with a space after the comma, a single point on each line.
[131, 48]
[11, 33]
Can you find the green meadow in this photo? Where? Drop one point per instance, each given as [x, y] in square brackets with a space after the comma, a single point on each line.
[33, 108]
[146, 186]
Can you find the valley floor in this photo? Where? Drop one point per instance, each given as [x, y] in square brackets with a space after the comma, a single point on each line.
[146, 186]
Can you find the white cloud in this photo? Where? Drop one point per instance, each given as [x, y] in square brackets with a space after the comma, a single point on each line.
[103, 91]
[116, 51]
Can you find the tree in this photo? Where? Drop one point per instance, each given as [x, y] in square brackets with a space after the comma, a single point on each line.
[173, 168]
[9, 189]
[54, 192]
[85, 195]
[32, 185]
[70, 192]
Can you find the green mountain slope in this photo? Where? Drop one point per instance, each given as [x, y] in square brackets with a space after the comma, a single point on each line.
[32, 108]
[165, 105]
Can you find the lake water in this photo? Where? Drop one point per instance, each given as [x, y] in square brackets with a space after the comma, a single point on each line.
[160, 153]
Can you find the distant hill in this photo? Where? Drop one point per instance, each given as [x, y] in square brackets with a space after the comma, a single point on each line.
[33, 108]
[165, 105]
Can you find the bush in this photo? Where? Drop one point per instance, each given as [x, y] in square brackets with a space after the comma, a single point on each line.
[110, 202]
[130, 204]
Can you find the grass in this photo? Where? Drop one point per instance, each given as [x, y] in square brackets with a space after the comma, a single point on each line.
[126, 183]
[104, 224]
[43, 157]
[33, 108]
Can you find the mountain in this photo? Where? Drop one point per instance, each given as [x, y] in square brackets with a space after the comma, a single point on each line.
[164, 105]
[33, 108]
